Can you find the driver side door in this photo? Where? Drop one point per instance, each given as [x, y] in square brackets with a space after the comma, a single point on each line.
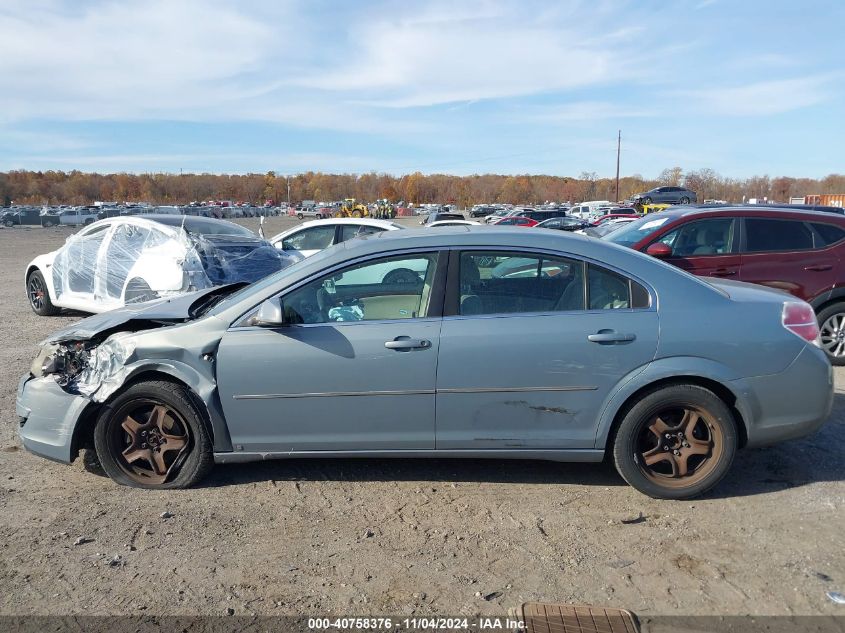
[353, 368]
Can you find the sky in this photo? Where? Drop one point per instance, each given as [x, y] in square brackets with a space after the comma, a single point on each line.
[744, 87]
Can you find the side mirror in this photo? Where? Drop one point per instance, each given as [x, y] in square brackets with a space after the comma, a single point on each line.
[659, 250]
[271, 313]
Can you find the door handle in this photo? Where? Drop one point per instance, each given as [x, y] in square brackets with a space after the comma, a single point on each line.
[724, 272]
[403, 343]
[609, 336]
[819, 267]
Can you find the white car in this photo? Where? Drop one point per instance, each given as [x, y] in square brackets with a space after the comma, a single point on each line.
[130, 259]
[452, 223]
[312, 237]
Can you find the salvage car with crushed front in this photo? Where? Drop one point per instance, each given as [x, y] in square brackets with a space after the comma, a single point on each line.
[592, 360]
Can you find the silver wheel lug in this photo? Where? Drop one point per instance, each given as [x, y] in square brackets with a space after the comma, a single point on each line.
[677, 452]
[668, 436]
[144, 445]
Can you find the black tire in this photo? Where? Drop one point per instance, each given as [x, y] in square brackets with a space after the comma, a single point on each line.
[646, 200]
[88, 221]
[300, 216]
[702, 447]
[8, 223]
[138, 291]
[47, 224]
[191, 463]
[831, 327]
[684, 200]
[39, 296]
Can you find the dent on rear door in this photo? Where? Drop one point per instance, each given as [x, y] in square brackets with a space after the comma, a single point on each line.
[534, 381]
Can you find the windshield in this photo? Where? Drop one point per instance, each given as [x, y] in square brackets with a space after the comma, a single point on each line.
[637, 230]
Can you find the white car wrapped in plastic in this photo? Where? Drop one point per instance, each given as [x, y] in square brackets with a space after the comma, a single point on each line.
[131, 259]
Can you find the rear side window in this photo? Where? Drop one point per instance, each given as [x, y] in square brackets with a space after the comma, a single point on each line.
[828, 233]
[350, 231]
[607, 290]
[776, 235]
[503, 282]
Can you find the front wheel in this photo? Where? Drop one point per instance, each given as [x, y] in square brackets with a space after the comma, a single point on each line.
[299, 216]
[8, 223]
[832, 332]
[684, 200]
[153, 436]
[676, 442]
[646, 200]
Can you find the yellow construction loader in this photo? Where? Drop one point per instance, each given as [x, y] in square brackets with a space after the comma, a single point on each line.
[352, 209]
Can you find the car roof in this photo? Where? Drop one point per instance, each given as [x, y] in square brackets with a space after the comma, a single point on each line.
[688, 211]
[169, 222]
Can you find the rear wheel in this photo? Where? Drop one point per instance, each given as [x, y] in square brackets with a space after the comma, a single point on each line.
[684, 200]
[47, 224]
[832, 332]
[676, 442]
[356, 213]
[153, 436]
[646, 200]
[300, 216]
[39, 297]
[138, 291]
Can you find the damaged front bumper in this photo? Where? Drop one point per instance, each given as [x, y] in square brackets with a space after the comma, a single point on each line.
[48, 416]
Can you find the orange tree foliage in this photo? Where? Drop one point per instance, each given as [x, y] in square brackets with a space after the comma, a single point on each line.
[76, 187]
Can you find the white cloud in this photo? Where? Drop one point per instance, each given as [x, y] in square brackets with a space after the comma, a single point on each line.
[451, 53]
[760, 98]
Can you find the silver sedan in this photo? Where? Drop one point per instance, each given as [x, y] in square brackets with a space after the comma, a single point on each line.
[462, 342]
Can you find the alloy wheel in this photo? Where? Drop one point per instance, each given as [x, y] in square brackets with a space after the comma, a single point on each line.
[150, 442]
[679, 446]
[832, 335]
[36, 292]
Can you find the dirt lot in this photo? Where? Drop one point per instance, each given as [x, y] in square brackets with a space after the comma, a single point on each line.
[410, 536]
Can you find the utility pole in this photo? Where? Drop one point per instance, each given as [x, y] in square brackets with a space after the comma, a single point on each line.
[618, 152]
[287, 180]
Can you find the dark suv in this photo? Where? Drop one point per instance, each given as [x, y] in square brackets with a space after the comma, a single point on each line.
[670, 195]
[800, 252]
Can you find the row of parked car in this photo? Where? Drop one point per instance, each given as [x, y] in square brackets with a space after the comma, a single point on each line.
[473, 341]
[82, 216]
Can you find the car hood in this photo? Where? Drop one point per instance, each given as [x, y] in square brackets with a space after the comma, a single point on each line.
[140, 316]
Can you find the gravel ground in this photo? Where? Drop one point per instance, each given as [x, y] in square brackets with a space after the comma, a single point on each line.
[410, 536]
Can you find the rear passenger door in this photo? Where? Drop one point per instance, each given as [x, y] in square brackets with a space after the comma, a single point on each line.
[708, 248]
[790, 255]
[530, 347]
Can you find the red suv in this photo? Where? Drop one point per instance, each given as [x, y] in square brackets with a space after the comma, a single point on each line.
[801, 252]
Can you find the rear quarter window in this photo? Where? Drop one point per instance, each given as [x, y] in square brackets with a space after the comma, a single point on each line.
[828, 234]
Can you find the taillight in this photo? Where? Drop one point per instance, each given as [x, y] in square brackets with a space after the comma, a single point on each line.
[799, 318]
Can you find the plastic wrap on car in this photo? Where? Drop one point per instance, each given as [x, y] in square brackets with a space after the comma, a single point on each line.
[229, 259]
[103, 262]
[117, 266]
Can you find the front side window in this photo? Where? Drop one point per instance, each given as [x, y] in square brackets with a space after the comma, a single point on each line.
[777, 235]
[507, 282]
[313, 239]
[705, 237]
[384, 289]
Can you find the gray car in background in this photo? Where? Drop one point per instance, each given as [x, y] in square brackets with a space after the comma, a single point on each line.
[665, 195]
[520, 344]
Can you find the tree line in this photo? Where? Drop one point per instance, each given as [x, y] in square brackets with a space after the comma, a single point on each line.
[76, 187]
